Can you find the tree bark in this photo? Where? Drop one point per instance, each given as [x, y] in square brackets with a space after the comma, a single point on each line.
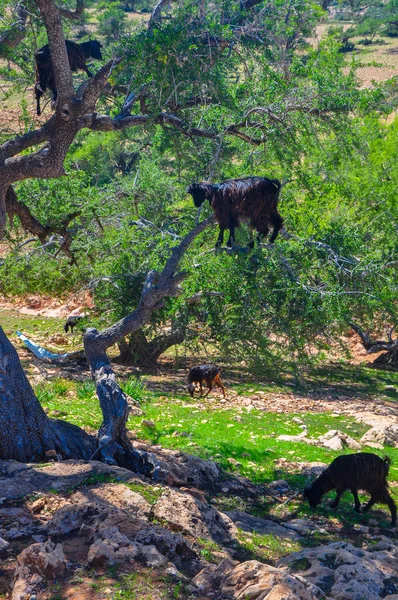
[26, 433]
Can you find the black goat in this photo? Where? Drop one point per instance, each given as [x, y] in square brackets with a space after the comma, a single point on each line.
[251, 198]
[204, 373]
[71, 322]
[362, 471]
[77, 55]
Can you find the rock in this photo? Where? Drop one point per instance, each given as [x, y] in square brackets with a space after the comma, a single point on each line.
[258, 581]
[302, 526]
[172, 545]
[71, 517]
[279, 486]
[51, 454]
[115, 494]
[149, 424]
[210, 577]
[38, 505]
[36, 563]
[345, 572]
[173, 572]
[336, 440]
[107, 552]
[297, 438]
[247, 522]
[152, 556]
[18, 480]
[188, 514]
[375, 445]
[3, 544]
[386, 435]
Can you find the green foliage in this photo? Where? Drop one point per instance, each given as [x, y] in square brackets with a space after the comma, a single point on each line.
[112, 22]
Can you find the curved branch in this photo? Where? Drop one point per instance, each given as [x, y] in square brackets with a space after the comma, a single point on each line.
[73, 14]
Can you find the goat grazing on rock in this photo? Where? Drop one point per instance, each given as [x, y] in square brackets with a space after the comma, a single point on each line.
[77, 55]
[362, 471]
[252, 198]
[208, 373]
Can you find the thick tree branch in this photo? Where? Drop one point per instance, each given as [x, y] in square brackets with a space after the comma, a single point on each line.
[59, 56]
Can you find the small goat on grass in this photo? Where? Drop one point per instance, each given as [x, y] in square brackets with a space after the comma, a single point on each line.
[362, 471]
[71, 322]
[204, 373]
[77, 55]
[252, 198]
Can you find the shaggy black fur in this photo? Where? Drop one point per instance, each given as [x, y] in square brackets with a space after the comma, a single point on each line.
[204, 373]
[71, 322]
[362, 471]
[77, 55]
[251, 198]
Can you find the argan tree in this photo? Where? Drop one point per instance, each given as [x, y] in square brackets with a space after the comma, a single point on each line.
[183, 77]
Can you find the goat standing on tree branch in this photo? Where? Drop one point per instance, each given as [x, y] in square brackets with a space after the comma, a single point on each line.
[77, 56]
[252, 198]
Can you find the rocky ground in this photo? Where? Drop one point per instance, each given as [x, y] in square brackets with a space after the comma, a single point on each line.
[72, 530]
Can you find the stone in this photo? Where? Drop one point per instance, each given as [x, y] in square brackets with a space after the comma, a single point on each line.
[152, 556]
[38, 505]
[249, 523]
[346, 572]
[211, 576]
[258, 581]
[336, 440]
[185, 513]
[35, 564]
[386, 435]
[3, 544]
[279, 485]
[70, 518]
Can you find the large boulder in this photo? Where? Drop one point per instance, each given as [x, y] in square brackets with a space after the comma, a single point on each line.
[188, 514]
[386, 435]
[345, 572]
[258, 581]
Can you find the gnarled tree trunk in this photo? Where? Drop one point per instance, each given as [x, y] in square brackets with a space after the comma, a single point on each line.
[143, 353]
[388, 360]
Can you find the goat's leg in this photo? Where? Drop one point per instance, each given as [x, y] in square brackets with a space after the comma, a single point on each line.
[218, 382]
[210, 386]
[369, 505]
[336, 501]
[201, 388]
[277, 223]
[386, 499]
[38, 96]
[85, 69]
[231, 239]
[357, 505]
[220, 238]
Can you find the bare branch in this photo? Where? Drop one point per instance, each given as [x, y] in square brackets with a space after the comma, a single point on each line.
[155, 17]
[73, 14]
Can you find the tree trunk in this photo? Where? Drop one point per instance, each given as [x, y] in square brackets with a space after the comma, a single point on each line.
[143, 353]
[26, 433]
